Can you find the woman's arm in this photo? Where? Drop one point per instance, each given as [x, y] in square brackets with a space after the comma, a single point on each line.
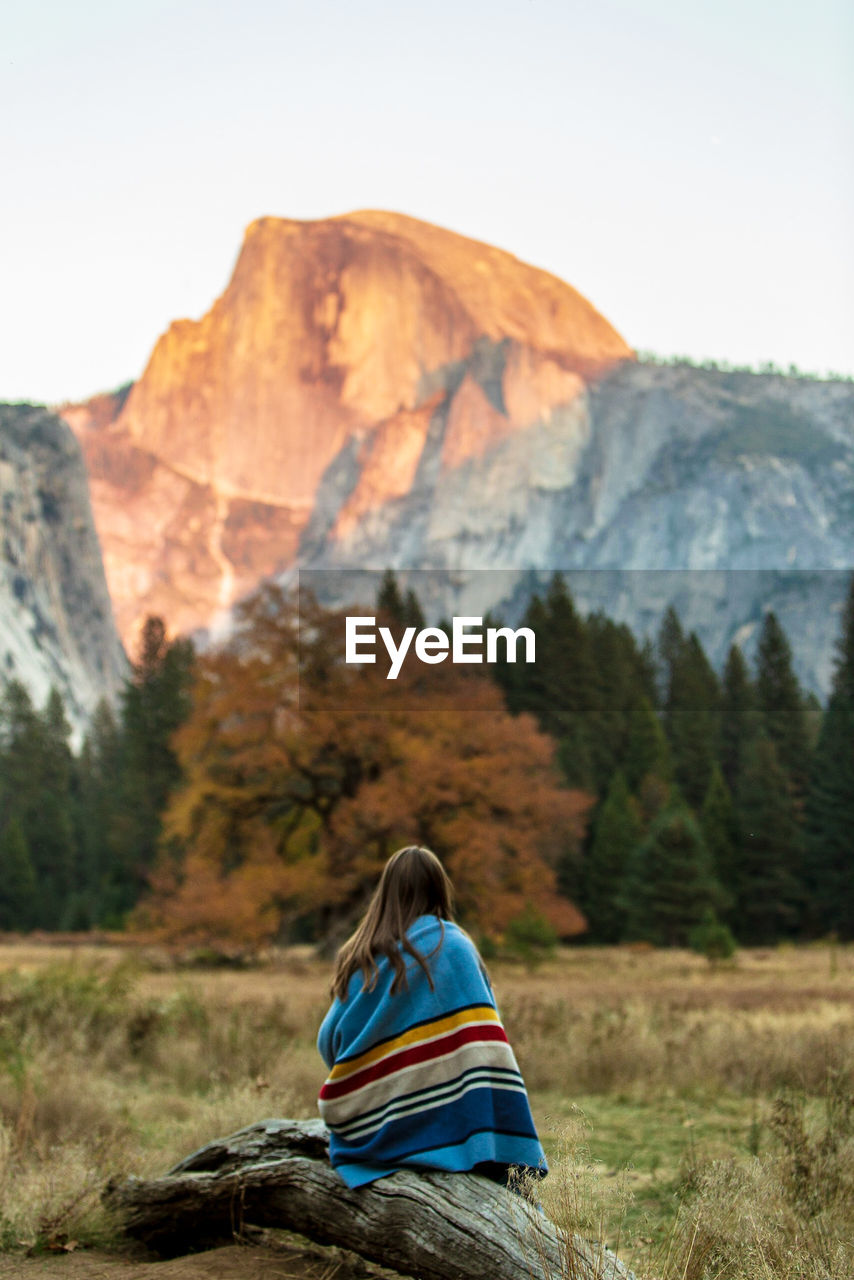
[325, 1036]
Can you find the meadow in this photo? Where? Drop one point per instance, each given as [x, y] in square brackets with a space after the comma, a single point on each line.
[698, 1118]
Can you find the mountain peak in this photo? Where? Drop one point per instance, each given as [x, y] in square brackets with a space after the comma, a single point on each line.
[332, 335]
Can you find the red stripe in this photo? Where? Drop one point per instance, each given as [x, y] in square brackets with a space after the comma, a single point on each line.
[408, 1057]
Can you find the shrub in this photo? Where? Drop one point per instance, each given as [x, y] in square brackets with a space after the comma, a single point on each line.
[712, 938]
[530, 938]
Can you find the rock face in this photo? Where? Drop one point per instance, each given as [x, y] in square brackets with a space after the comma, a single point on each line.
[56, 621]
[723, 493]
[354, 341]
[650, 468]
[372, 391]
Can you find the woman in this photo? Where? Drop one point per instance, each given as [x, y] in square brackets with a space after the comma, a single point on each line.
[421, 1073]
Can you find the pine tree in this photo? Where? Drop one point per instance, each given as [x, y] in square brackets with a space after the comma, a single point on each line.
[669, 885]
[616, 832]
[563, 663]
[18, 735]
[105, 877]
[35, 779]
[692, 718]
[18, 890]
[647, 673]
[574, 756]
[413, 614]
[525, 686]
[647, 753]
[50, 832]
[399, 611]
[768, 901]
[670, 645]
[737, 716]
[558, 688]
[390, 602]
[718, 825]
[618, 678]
[830, 805]
[155, 702]
[781, 706]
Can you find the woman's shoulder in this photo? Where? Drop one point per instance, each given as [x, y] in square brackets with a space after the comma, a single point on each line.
[432, 926]
[442, 943]
[443, 937]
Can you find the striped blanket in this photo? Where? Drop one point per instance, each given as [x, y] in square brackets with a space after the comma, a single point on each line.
[424, 1079]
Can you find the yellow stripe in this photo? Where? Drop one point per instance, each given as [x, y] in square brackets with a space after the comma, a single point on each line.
[427, 1031]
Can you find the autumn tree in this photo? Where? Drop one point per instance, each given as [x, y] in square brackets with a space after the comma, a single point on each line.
[302, 775]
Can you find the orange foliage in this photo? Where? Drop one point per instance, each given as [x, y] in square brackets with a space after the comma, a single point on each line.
[302, 775]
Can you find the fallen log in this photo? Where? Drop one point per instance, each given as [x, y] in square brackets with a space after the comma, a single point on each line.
[433, 1226]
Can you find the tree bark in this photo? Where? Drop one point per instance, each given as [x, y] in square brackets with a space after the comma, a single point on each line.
[434, 1226]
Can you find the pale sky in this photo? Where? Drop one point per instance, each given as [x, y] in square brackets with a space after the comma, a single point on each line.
[688, 167]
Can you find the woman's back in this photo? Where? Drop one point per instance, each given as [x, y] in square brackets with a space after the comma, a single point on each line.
[424, 1077]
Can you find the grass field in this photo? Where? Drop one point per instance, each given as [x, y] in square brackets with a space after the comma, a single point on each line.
[700, 1119]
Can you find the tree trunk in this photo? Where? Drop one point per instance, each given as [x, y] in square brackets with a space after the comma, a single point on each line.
[434, 1226]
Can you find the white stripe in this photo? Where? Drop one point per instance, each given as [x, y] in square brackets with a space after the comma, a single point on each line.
[424, 1103]
[443, 1090]
[442, 1068]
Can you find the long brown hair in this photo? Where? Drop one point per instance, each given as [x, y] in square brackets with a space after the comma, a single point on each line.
[413, 883]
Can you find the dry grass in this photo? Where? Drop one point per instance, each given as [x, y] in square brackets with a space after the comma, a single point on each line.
[727, 1089]
[787, 1216]
[107, 1069]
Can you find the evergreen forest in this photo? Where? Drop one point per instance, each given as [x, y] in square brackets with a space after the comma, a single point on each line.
[613, 791]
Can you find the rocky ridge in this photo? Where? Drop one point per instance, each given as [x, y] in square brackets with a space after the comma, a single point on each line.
[344, 343]
[371, 391]
[723, 493]
[56, 622]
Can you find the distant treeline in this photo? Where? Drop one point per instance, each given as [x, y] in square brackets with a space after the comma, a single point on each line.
[79, 833]
[790, 370]
[695, 803]
[719, 796]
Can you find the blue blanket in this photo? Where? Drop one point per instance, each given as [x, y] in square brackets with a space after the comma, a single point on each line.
[424, 1078]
